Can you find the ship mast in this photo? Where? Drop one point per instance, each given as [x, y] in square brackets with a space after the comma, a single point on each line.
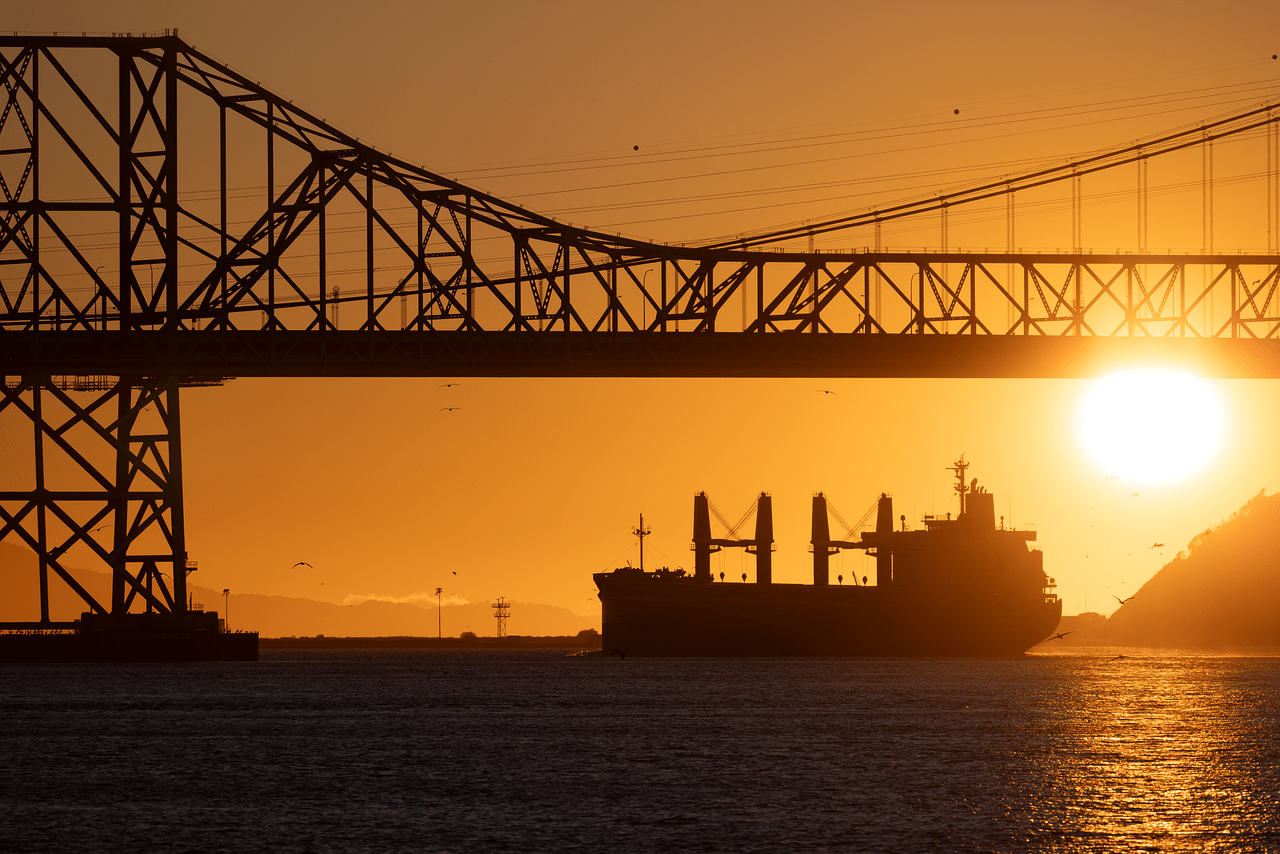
[959, 468]
[642, 532]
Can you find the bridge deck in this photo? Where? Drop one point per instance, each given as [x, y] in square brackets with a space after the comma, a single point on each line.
[214, 354]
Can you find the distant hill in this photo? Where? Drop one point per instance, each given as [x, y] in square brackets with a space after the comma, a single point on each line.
[1222, 593]
[283, 616]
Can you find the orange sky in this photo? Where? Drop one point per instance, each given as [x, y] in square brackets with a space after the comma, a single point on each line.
[746, 117]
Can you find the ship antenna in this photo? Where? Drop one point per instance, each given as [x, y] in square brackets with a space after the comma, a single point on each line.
[959, 468]
[642, 532]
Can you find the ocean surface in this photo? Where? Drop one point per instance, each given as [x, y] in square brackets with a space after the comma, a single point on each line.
[426, 750]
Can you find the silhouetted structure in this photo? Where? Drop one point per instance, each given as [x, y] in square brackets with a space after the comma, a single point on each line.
[960, 586]
[501, 611]
[95, 333]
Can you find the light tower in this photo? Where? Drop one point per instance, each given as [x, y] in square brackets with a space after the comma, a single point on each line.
[642, 532]
[502, 610]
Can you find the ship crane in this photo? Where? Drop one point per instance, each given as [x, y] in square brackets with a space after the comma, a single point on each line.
[704, 544]
[823, 546]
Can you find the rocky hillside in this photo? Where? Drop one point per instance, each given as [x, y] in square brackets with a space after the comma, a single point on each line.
[1222, 593]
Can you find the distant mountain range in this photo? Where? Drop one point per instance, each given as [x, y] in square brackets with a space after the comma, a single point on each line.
[1222, 593]
[284, 616]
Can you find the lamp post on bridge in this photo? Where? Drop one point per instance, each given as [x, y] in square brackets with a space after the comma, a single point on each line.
[226, 609]
[439, 613]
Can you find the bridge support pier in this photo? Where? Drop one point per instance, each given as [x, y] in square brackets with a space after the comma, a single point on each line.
[99, 489]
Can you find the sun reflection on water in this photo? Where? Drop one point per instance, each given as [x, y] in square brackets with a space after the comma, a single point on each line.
[1154, 756]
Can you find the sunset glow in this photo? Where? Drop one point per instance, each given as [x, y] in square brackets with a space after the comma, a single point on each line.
[1152, 426]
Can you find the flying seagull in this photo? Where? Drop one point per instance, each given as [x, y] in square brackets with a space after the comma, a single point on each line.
[1060, 635]
[1111, 477]
[449, 385]
[449, 408]
[826, 391]
[1118, 657]
[1156, 546]
[302, 563]
[1121, 601]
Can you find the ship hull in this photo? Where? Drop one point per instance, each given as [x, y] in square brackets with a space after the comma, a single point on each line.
[649, 617]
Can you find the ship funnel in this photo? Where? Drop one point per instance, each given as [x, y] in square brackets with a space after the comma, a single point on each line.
[764, 539]
[981, 512]
[701, 537]
[821, 540]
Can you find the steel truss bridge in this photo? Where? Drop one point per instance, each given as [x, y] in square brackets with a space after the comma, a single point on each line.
[126, 273]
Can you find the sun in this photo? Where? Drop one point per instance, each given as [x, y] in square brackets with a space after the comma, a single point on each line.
[1152, 426]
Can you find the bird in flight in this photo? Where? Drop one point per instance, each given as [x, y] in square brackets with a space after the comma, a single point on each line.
[302, 563]
[1156, 546]
[449, 408]
[1121, 601]
[1060, 636]
[1118, 657]
[826, 391]
[1111, 477]
[449, 385]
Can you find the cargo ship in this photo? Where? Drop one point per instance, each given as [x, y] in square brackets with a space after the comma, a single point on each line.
[961, 586]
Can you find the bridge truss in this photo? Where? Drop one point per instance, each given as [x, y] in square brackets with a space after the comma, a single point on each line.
[166, 221]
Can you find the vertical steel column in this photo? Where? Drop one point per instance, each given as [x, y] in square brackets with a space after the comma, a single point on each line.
[711, 300]
[566, 307]
[322, 261]
[517, 313]
[1130, 315]
[36, 263]
[1009, 245]
[472, 326]
[172, 321]
[920, 305]
[760, 307]
[123, 202]
[370, 320]
[1026, 300]
[421, 265]
[271, 227]
[222, 256]
[865, 326]
[42, 495]
[972, 270]
[119, 499]
[815, 318]
[174, 497]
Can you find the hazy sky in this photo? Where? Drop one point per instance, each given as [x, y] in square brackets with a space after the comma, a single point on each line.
[746, 115]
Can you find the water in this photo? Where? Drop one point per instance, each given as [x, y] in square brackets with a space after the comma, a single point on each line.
[472, 751]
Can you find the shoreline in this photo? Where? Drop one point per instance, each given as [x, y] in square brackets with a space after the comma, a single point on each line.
[582, 640]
